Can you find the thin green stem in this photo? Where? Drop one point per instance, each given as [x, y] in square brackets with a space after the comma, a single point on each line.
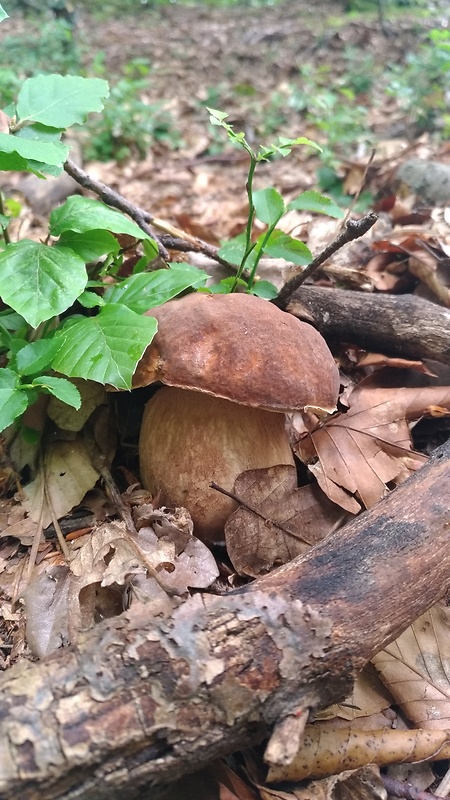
[5, 233]
[249, 246]
[259, 255]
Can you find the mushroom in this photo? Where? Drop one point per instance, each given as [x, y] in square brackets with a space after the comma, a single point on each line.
[233, 365]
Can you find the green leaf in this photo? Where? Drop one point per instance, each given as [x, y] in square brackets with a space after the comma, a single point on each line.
[233, 250]
[314, 201]
[105, 348]
[13, 401]
[90, 300]
[226, 285]
[281, 245]
[269, 205]
[81, 214]
[4, 221]
[38, 132]
[39, 281]
[20, 151]
[264, 289]
[36, 356]
[61, 388]
[3, 14]
[149, 289]
[216, 117]
[13, 207]
[91, 245]
[288, 144]
[11, 321]
[60, 100]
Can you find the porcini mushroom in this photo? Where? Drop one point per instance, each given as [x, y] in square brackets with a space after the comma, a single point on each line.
[233, 365]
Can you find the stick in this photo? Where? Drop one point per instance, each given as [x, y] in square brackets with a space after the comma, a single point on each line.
[396, 325]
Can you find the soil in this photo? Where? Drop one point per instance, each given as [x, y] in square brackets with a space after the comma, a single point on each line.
[245, 62]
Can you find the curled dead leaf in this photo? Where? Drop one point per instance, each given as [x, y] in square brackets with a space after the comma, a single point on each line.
[326, 751]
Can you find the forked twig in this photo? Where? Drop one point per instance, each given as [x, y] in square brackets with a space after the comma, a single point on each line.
[354, 229]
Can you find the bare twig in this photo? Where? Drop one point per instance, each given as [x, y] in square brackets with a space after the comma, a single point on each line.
[115, 200]
[258, 513]
[354, 229]
[361, 187]
[173, 237]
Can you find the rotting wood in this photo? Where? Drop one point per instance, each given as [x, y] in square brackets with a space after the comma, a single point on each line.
[141, 701]
[396, 325]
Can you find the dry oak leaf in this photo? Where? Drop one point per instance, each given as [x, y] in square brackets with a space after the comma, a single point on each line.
[325, 751]
[416, 669]
[255, 544]
[355, 455]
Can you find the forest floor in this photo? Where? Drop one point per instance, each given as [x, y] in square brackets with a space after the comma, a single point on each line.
[293, 69]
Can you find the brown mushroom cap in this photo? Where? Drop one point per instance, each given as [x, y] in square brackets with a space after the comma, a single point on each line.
[241, 348]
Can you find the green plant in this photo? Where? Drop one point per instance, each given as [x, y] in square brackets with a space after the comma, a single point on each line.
[269, 207]
[58, 319]
[421, 84]
[50, 49]
[334, 110]
[128, 125]
[66, 312]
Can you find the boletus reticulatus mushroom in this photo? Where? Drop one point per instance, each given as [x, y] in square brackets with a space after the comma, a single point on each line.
[232, 366]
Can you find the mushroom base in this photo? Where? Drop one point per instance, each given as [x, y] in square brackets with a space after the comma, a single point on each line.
[189, 439]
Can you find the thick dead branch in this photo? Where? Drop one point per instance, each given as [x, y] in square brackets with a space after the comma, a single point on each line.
[143, 700]
[396, 325]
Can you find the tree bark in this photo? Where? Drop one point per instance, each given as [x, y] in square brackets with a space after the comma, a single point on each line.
[141, 701]
[396, 325]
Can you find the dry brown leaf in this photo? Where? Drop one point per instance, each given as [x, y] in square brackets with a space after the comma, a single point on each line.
[369, 697]
[416, 669]
[254, 543]
[326, 751]
[63, 479]
[359, 784]
[434, 275]
[355, 455]
[47, 612]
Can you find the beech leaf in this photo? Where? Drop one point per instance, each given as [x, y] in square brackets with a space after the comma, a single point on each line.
[254, 543]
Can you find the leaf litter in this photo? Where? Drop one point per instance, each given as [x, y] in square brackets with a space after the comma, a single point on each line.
[356, 457]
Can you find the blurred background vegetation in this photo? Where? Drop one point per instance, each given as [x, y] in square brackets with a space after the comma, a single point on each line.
[333, 94]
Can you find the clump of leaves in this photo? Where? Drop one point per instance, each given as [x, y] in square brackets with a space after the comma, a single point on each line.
[58, 318]
[421, 84]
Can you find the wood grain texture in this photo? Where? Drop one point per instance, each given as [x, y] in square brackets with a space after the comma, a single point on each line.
[396, 325]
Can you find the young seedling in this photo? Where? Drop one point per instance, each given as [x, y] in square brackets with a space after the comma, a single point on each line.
[269, 207]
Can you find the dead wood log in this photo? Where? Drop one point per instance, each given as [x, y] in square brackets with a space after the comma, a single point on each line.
[396, 325]
[141, 701]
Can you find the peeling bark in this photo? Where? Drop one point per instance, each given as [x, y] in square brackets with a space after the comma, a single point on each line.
[403, 325]
[142, 701]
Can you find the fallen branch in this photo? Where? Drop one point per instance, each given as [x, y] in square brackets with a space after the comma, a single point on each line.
[143, 700]
[396, 325]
